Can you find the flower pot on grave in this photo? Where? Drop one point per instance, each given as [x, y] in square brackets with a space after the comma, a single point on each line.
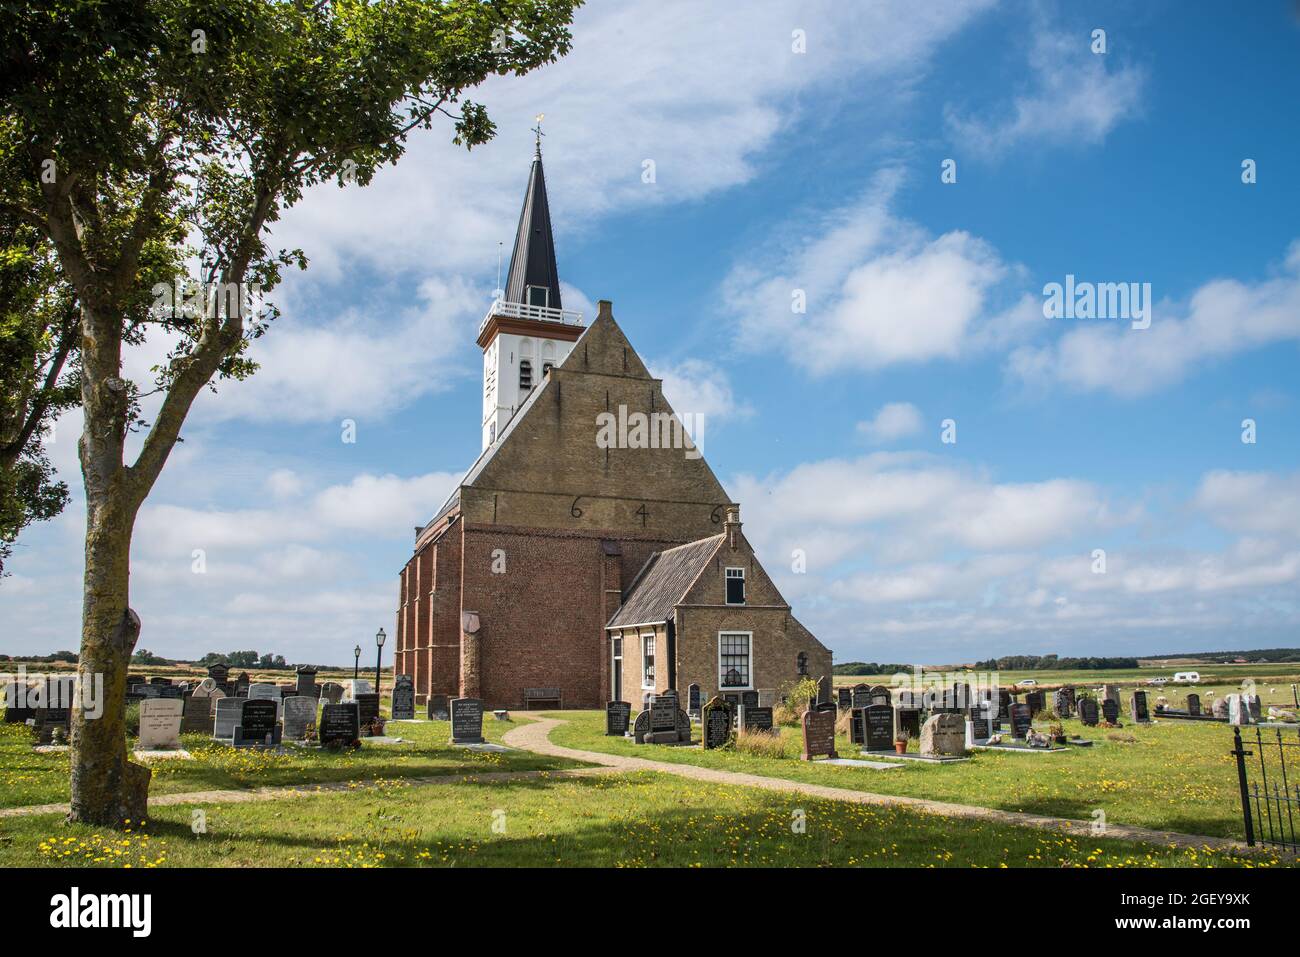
[900, 747]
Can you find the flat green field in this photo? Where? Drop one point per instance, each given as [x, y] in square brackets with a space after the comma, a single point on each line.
[1173, 775]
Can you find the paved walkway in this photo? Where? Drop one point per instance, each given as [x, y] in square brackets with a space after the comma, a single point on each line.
[308, 790]
[535, 737]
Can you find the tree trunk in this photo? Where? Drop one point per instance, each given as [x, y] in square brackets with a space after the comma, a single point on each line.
[107, 789]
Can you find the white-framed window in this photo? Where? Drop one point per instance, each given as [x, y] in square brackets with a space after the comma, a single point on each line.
[735, 579]
[647, 661]
[735, 665]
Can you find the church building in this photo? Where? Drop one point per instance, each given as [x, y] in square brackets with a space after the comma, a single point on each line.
[567, 570]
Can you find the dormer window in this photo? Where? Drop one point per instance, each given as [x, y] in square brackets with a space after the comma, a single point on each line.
[537, 296]
[735, 578]
[525, 375]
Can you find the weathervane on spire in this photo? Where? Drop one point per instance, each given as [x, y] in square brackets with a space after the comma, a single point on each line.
[538, 130]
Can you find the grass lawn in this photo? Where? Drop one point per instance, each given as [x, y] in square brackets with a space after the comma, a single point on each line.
[1176, 776]
[30, 778]
[624, 820]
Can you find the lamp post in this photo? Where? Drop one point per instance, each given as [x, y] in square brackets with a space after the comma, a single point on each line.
[356, 664]
[379, 653]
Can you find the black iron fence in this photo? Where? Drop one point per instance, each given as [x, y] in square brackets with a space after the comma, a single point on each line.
[1270, 791]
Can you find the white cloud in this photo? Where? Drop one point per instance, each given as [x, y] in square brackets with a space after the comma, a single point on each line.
[894, 420]
[1076, 98]
[1223, 317]
[694, 387]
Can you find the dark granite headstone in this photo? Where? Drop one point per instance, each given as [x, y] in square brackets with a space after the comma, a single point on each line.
[617, 716]
[663, 713]
[879, 721]
[1088, 711]
[756, 719]
[368, 706]
[196, 718]
[1110, 710]
[340, 724]
[1036, 702]
[1138, 707]
[819, 733]
[981, 726]
[438, 708]
[749, 699]
[403, 708]
[1004, 705]
[694, 700]
[257, 726]
[1194, 704]
[861, 696]
[716, 723]
[909, 721]
[1021, 720]
[306, 684]
[466, 721]
[46, 720]
[641, 727]
[858, 727]
[844, 698]
[1065, 702]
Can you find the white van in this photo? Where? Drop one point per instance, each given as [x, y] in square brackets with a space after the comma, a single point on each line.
[1187, 677]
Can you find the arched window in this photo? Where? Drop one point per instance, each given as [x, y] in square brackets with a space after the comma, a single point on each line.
[802, 661]
[525, 375]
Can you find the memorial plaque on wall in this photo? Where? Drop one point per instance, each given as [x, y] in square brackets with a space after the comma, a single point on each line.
[403, 708]
[716, 723]
[368, 706]
[880, 727]
[618, 715]
[1021, 720]
[819, 733]
[466, 721]
[339, 724]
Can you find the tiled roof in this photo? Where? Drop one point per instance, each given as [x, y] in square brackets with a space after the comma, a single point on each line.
[663, 582]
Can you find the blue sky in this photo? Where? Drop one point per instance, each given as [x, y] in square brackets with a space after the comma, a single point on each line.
[819, 171]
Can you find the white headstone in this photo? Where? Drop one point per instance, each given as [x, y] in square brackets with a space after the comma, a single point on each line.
[1238, 709]
[206, 688]
[355, 686]
[299, 715]
[264, 689]
[160, 723]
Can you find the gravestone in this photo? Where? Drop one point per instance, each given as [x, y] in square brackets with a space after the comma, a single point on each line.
[944, 735]
[981, 726]
[909, 721]
[257, 727]
[264, 691]
[466, 721]
[879, 723]
[1065, 702]
[861, 696]
[756, 719]
[1256, 707]
[715, 725]
[1239, 711]
[355, 686]
[299, 716]
[1004, 705]
[641, 727]
[617, 716]
[340, 725]
[46, 721]
[160, 724]
[227, 716]
[1021, 720]
[1110, 692]
[197, 715]
[1110, 710]
[1035, 701]
[694, 700]
[171, 691]
[858, 727]
[242, 683]
[844, 698]
[403, 708]
[438, 708]
[1088, 711]
[819, 733]
[1194, 704]
[1138, 708]
[663, 713]
[683, 727]
[306, 675]
[332, 692]
[368, 707]
[1219, 707]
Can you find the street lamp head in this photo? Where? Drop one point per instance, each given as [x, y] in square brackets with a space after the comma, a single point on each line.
[357, 651]
[380, 638]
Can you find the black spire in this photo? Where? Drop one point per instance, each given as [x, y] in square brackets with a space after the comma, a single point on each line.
[532, 264]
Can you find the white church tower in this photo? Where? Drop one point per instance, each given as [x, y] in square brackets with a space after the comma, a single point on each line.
[527, 330]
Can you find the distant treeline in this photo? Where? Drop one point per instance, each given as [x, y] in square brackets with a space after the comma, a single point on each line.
[868, 668]
[1257, 654]
[1052, 663]
[244, 659]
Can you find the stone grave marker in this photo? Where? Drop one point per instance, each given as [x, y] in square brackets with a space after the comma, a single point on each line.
[909, 721]
[196, 718]
[171, 691]
[160, 724]
[242, 683]
[1194, 704]
[403, 698]
[641, 727]
[694, 700]
[466, 721]
[944, 735]
[1138, 707]
[1219, 707]
[1088, 711]
[306, 678]
[332, 692]
[618, 714]
[1110, 710]
[879, 725]
[1035, 700]
[1255, 706]
[716, 722]
[663, 713]
[1239, 711]
[981, 726]
[683, 727]
[368, 707]
[355, 686]
[227, 716]
[438, 708]
[264, 690]
[1111, 692]
[819, 733]
[756, 718]
[1021, 720]
[844, 698]
[749, 699]
[861, 696]
[1065, 702]
[46, 721]
[299, 716]
[340, 725]
[1004, 705]
[257, 725]
[857, 726]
